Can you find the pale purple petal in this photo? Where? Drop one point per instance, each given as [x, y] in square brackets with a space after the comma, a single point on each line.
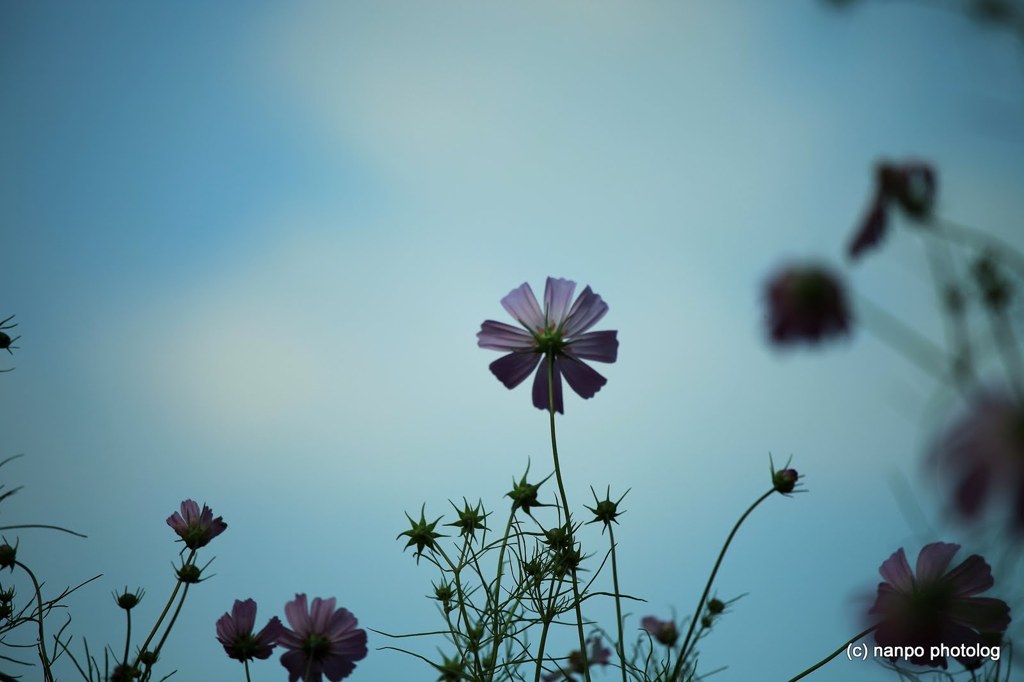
[320, 613]
[582, 377]
[297, 614]
[557, 297]
[585, 313]
[933, 561]
[501, 336]
[896, 571]
[972, 576]
[244, 615]
[600, 346]
[540, 387]
[522, 305]
[512, 369]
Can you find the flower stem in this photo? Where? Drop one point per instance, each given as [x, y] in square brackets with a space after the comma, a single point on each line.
[711, 579]
[497, 596]
[127, 637]
[163, 614]
[835, 653]
[246, 664]
[568, 520]
[618, 602]
[174, 618]
[47, 673]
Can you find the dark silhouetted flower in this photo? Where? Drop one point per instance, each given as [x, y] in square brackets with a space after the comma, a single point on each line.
[235, 633]
[911, 186]
[985, 452]
[559, 331]
[936, 606]
[664, 631]
[196, 528]
[129, 600]
[324, 641]
[806, 304]
[599, 655]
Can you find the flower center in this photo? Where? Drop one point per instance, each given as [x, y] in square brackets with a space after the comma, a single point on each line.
[316, 646]
[549, 340]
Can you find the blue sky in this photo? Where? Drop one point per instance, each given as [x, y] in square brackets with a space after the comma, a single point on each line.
[249, 247]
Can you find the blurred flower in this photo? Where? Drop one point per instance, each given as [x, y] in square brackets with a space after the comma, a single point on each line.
[599, 655]
[557, 331]
[194, 527]
[937, 605]
[323, 641]
[8, 555]
[985, 450]
[911, 186]
[235, 632]
[664, 631]
[805, 303]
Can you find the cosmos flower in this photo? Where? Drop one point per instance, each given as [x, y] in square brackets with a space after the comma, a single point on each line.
[663, 631]
[936, 606]
[234, 632]
[985, 453]
[560, 330]
[599, 655]
[805, 303]
[911, 186]
[196, 528]
[323, 641]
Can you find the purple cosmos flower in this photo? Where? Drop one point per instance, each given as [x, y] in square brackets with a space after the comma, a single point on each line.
[322, 642]
[234, 631]
[664, 631]
[937, 605]
[560, 330]
[599, 655]
[985, 451]
[196, 528]
[910, 185]
[806, 303]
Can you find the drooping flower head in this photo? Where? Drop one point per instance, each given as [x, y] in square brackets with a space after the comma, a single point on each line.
[663, 631]
[235, 633]
[937, 605]
[558, 331]
[196, 528]
[806, 304]
[984, 451]
[323, 641]
[910, 185]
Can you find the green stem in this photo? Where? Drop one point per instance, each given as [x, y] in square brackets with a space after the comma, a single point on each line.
[163, 614]
[174, 618]
[835, 653]
[568, 520]
[497, 596]
[246, 664]
[711, 579]
[47, 673]
[618, 601]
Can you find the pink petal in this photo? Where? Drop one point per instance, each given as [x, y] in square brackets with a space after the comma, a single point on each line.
[896, 571]
[585, 313]
[933, 561]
